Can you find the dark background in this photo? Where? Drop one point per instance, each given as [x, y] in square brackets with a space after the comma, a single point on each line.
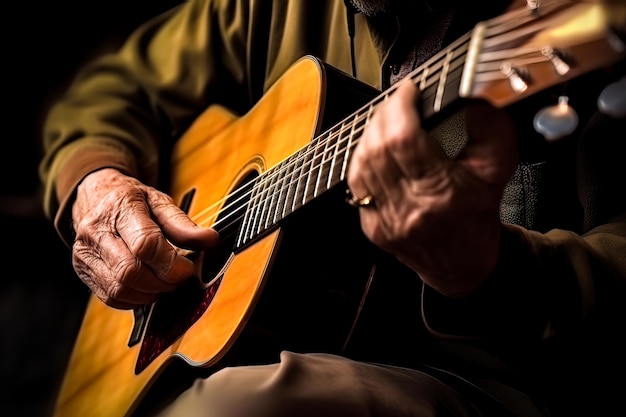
[41, 299]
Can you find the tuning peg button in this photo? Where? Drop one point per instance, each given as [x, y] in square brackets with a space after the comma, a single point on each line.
[557, 121]
[612, 99]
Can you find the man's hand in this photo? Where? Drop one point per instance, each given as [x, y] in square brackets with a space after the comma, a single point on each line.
[440, 216]
[125, 236]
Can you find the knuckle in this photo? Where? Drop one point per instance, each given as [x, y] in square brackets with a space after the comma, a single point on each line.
[127, 270]
[158, 199]
[152, 249]
[112, 292]
[145, 244]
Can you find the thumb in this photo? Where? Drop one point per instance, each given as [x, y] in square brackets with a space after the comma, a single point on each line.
[181, 230]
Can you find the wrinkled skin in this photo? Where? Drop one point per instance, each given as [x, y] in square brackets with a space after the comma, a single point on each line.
[128, 240]
[440, 216]
[437, 215]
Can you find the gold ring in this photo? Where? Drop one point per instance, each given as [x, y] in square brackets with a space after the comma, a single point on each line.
[367, 201]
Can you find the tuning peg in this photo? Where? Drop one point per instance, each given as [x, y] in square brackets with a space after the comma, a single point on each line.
[612, 99]
[532, 4]
[517, 77]
[556, 121]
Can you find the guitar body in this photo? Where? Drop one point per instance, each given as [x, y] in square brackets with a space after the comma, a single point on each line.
[297, 290]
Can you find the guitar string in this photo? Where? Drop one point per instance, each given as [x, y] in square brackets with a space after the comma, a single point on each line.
[495, 27]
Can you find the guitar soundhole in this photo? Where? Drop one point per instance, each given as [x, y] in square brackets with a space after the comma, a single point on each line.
[227, 225]
[176, 312]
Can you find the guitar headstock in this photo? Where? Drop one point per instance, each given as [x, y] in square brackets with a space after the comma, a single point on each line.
[528, 50]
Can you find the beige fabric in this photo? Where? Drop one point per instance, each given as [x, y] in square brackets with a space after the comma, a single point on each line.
[317, 385]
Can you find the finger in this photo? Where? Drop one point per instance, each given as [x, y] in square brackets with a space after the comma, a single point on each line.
[388, 146]
[134, 275]
[148, 244]
[104, 272]
[369, 155]
[356, 169]
[178, 227]
[415, 152]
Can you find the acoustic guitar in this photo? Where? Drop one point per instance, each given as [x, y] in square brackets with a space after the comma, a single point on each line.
[292, 270]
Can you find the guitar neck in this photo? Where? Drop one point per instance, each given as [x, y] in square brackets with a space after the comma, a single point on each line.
[502, 60]
[323, 163]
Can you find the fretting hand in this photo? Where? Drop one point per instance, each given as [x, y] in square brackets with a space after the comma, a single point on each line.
[439, 216]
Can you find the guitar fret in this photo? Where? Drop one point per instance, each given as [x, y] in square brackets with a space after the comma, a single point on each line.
[355, 132]
[454, 79]
[292, 181]
[273, 176]
[270, 207]
[329, 158]
[301, 179]
[284, 187]
[428, 99]
[248, 219]
[259, 206]
[312, 177]
[442, 81]
[469, 69]
[319, 163]
[423, 79]
[344, 165]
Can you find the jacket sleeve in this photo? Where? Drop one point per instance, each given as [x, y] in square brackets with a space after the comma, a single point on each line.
[124, 108]
[543, 284]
